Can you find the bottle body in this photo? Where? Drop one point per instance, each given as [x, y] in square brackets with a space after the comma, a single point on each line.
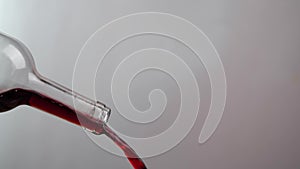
[21, 84]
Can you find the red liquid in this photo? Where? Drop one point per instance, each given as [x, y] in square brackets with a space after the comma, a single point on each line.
[16, 97]
[133, 158]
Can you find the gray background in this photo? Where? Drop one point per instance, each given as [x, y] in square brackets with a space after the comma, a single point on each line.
[258, 42]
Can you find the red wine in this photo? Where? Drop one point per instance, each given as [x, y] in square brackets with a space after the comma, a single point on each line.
[133, 158]
[13, 98]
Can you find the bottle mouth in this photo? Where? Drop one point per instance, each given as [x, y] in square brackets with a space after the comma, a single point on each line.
[102, 112]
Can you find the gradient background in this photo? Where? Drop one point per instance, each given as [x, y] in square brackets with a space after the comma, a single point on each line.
[258, 42]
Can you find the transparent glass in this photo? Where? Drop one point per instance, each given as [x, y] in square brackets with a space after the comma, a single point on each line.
[21, 84]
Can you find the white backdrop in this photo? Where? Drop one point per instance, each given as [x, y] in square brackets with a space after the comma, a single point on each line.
[258, 42]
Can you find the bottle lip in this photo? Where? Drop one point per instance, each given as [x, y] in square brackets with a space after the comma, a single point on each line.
[102, 112]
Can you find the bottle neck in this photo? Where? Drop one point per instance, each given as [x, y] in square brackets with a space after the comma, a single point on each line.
[88, 112]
